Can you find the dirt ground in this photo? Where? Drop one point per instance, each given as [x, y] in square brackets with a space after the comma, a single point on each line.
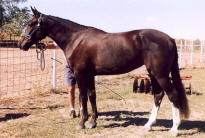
[46, 114]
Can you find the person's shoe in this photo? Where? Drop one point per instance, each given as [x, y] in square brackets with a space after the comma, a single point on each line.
[72, 114]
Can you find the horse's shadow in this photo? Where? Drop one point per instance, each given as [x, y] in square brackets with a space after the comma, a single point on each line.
[141, 121]
[13, 116]
[127, 121]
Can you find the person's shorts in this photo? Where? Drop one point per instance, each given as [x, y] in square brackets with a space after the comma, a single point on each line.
[70, 77]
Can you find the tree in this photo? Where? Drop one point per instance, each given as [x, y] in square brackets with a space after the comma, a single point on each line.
[12, 18]
[179, 41]
[197, 42]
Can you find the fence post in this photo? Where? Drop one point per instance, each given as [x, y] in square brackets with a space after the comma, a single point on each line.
[180, 58]
[185, 45]
[54, 69]
[192, 52]
[97, 79]
[201, 56]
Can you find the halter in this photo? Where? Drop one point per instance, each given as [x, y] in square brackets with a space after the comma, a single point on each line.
[29, 36]
[40, 52]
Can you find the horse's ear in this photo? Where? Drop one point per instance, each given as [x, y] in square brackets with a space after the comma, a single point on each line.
[36, 13]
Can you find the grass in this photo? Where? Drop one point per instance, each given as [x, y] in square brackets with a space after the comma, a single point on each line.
[116, 118]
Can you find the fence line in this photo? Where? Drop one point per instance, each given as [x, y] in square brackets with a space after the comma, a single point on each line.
[20, 73]
[190, 54]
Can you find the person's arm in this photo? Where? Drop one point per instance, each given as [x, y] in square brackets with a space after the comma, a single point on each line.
[51, 46]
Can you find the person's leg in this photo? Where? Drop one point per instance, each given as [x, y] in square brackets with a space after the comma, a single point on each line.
[70, 79]
[71, 92]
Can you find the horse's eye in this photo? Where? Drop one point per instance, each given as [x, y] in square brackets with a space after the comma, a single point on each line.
[32, 23]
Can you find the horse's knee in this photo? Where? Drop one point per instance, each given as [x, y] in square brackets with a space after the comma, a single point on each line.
[91, 93]
[85, 117]
[171, 92]
[92, 96]
[83, 98]
[173, 97]
[158, 98]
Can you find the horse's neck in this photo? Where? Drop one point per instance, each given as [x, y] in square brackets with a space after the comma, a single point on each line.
[61, 30]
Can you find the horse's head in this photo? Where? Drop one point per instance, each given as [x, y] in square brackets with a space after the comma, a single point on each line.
[33, 32]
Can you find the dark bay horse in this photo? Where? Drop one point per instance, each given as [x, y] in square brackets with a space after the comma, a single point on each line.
[90, 51]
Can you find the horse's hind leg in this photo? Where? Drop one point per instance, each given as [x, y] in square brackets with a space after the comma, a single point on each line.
[172, 93]
[158, 95]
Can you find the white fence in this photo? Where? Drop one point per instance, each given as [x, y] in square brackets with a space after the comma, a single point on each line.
[190, 54]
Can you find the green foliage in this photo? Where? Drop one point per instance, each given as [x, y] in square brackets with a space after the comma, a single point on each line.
[179, 41]
[197, 42]
[13, 19]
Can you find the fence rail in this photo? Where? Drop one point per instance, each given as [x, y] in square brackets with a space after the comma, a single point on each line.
[190, 54]
[20, 73]
[8, 43]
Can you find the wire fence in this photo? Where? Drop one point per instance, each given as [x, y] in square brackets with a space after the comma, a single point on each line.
[20, 73]
[191, 55]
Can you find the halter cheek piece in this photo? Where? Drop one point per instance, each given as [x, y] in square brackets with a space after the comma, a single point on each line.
[29, 36]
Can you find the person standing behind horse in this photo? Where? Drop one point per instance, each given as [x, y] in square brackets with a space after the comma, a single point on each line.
[71, 82]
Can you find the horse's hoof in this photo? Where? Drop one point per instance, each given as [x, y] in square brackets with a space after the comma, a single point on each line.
[173, 133]
[91, 125]
[147, 128]
[78, 127]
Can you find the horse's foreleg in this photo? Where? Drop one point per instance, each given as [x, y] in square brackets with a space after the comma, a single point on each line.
[92, 96]
[158, 95]
[81, 80]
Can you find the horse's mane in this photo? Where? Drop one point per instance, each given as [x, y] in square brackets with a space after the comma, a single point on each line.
[73, 25]
[66, 22]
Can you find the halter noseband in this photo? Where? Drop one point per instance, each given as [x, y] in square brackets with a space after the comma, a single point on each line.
[29, 36]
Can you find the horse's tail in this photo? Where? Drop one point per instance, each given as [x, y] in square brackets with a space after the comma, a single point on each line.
[177, 82]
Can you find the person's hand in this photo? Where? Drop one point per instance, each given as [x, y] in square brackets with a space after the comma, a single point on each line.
[41, 46]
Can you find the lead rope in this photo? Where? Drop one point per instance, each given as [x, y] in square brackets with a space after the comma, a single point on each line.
[111, 91]
[40, 55]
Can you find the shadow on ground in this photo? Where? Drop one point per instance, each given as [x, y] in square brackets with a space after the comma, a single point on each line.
[25, 111]
[13, 116]
[130, 119]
